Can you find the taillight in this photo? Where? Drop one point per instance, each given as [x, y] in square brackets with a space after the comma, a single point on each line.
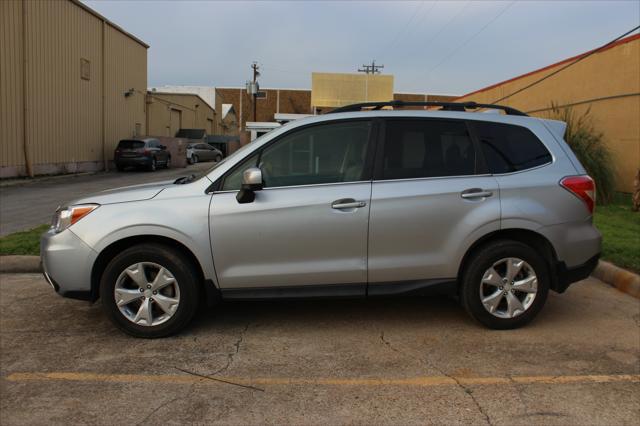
[582, 187]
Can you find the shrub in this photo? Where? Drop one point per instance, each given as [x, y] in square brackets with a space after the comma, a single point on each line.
[589, 146]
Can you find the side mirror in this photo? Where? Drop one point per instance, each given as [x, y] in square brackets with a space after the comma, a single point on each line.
[251, 182]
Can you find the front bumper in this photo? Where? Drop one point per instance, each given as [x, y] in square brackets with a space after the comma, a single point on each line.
[66, 263]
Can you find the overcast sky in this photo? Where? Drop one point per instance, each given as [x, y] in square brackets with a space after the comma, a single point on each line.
[430, 47]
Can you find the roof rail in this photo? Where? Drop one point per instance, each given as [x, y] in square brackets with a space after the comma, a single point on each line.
[446, 106]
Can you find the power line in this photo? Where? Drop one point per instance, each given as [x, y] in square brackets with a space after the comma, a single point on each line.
[449, 22]
[567, 66]
[404, 28]
[464, 43]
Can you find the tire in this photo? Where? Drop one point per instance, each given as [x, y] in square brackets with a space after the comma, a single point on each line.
[480, 282]
[194, 159]
[218, 158]
[153, 166]
[169, 316]
[120, 167]
[167, 164]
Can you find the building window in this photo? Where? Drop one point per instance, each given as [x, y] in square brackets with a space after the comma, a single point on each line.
[85, 69]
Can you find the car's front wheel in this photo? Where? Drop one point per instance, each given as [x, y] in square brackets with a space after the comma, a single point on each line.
[149, 290]
[505, 284]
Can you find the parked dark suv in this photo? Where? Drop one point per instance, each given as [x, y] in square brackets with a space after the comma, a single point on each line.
[144, 152]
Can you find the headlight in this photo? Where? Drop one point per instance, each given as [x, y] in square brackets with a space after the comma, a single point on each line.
[67, 216]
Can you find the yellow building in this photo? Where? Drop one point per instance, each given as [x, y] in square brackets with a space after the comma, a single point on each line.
[73, 84]
[606, 82]
[333, 90]
[169, 112]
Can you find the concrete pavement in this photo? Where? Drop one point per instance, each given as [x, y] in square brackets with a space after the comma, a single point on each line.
[32, 203]
[387, 361]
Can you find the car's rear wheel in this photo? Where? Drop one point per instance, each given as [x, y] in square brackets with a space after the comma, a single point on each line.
[505, 284]
[149, 290]
[218, 158]
[167, 164]
[194, 159]
[153, 165]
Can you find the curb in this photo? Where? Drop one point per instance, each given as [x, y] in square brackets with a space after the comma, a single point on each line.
[623, 280]
[20, 264]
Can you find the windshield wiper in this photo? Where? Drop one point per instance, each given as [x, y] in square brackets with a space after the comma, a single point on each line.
[184, 179]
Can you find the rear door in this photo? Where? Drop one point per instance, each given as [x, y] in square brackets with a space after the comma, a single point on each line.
[430, 200]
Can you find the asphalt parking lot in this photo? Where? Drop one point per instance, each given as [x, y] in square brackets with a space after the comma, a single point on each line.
[27, 204]
[379, 361]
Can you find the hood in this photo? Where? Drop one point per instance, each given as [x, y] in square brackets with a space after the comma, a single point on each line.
[125, 194]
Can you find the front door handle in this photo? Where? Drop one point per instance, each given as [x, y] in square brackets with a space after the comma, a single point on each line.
[347, 203]
[475, 193]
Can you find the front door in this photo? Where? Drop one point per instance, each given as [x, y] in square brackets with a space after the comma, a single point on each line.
[430, 200]
[308, 226]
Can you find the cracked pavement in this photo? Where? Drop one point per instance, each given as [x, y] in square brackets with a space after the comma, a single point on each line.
[378, 361]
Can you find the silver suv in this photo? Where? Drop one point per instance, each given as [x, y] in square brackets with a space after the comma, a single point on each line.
[493, 208]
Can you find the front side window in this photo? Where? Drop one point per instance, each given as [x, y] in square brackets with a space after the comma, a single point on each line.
[327, 153]
[427, 148]
[508, 148]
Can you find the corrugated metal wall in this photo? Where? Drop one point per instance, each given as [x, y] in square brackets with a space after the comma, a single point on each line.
[11, 97]
[61, 108]
[126, 68]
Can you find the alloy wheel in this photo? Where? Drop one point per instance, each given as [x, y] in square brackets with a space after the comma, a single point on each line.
[508, 288]
[147, 294]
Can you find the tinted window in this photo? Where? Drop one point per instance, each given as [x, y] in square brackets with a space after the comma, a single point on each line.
[326, 153]
[130, 144]
[509, 148]
[427, 148]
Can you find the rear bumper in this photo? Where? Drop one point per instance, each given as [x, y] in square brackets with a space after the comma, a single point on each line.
[133, 161]
[567, 276]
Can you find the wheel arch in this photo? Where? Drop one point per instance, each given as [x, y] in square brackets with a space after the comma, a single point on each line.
[526, 236]
[109, 252]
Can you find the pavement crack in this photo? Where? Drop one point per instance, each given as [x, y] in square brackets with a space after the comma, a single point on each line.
[231, 356]
[467, 390]
[166, 403]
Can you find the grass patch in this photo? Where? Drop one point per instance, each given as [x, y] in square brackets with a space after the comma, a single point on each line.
[24, 243]
[620, 229]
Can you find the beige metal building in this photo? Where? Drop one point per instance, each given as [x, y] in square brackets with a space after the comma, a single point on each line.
[606, 82]
[169, 112]
[72, 84]
[333, 90]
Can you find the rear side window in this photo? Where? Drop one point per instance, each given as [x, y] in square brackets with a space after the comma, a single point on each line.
[130, 144]
[427, 148]
[508, 148]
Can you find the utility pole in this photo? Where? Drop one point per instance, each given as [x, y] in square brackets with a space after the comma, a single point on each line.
[371, 69]
[256, 74]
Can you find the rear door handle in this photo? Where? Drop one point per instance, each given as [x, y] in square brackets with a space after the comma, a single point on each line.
[475, 193]
[347, 203]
